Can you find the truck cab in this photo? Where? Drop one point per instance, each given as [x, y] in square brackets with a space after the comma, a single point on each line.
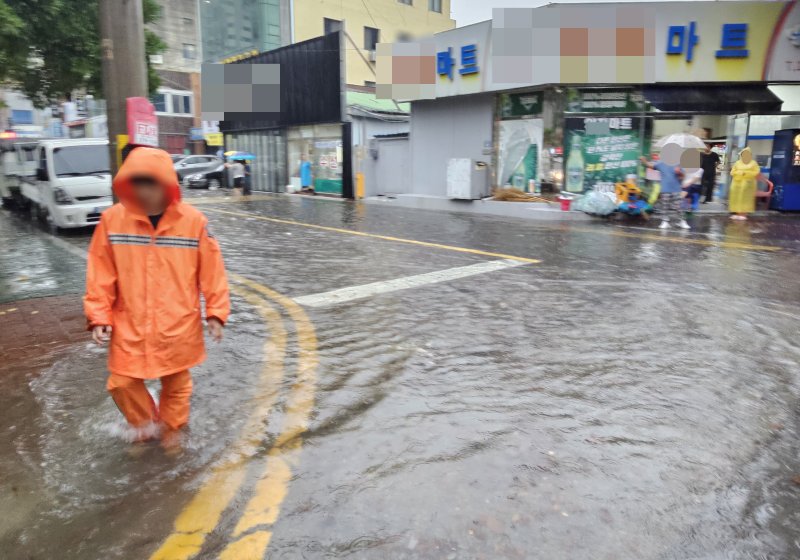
[72, 183]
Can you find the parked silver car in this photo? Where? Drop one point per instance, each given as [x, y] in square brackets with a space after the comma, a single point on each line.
[195, 164]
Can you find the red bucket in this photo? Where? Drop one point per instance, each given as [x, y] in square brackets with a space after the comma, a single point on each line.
[566, 203]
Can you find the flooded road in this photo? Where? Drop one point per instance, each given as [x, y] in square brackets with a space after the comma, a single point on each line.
[613, 393]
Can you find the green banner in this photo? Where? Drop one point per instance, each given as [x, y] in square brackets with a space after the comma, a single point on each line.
[520, 104]
[599, 152]
[605, 101]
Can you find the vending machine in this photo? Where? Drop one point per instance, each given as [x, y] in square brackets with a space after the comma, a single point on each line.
[785, 170]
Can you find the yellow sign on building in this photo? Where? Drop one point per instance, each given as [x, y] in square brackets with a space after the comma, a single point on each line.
[215, 139]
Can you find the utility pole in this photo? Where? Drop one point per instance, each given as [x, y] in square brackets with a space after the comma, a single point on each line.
[124, 66]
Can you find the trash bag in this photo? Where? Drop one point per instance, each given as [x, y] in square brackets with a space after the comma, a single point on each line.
[596, 204]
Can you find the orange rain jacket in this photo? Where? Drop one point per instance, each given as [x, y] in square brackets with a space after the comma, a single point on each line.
[146, 282]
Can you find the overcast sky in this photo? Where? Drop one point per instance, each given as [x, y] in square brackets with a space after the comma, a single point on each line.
[466, 12]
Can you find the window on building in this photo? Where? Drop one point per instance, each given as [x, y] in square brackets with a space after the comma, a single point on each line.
[159, 101]
[189, 51]
[170, 102]
[332, 25]
[188, 22]
[369, 84]
[181, 104]
[435, 6]
[371, 38]
[407, 2]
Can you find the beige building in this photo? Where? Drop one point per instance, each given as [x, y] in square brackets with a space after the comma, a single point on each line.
[366, 23]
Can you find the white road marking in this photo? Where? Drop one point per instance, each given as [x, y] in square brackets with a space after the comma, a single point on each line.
[68, 247]
[335, 297]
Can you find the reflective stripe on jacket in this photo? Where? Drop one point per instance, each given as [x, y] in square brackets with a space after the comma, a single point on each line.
[147, 282]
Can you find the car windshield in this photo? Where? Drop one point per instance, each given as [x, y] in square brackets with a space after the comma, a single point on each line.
[81, 160]
[176, 158]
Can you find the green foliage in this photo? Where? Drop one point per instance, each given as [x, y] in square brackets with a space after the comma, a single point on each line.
[11, 33]
[50, 48]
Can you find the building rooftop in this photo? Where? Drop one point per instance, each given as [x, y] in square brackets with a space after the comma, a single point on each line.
[369, 102]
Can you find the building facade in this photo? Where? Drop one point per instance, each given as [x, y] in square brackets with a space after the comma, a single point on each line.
[177, 101]
[366, 24]
[234, 27]
[593, 89]
[313, 126]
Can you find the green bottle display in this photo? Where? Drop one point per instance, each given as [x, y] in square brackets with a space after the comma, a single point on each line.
[575, 166]
[526, 170]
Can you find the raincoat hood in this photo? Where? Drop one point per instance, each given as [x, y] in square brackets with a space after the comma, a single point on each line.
[146, 162]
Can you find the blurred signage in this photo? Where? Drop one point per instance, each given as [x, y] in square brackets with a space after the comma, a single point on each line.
[142, 122]
[784, 64]
[605, 101]
[196, 134]
[210, 126]
[659, 42]
[600, 152]
[520, 104]
[214, 139]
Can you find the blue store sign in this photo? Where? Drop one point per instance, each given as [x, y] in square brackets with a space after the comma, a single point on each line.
[681, 39]
[469, 61]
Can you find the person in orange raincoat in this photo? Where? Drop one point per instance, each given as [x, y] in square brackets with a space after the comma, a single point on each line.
[150, 258]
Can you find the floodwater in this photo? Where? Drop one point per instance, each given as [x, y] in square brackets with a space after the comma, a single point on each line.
[632, 396]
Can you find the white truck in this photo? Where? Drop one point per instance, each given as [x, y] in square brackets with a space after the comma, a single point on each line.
[17, 161]
[72, 183]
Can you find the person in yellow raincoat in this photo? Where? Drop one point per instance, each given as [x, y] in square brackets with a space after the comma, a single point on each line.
[742, 197]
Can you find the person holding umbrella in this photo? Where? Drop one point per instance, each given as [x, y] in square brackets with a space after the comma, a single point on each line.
[237, 170]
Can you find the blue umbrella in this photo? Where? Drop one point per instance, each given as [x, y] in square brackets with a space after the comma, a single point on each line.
[239, 155]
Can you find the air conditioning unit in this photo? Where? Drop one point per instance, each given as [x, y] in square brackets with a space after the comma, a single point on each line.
[372, 56]
[156, 59]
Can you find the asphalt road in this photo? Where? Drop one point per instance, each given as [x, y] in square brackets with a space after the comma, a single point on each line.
[400, 384]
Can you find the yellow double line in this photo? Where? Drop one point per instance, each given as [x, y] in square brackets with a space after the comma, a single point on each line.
[251, 535]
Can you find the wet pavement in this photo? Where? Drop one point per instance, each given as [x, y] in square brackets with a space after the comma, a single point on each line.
[633, 395]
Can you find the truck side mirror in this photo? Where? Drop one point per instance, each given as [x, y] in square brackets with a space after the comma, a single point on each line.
[41, 174]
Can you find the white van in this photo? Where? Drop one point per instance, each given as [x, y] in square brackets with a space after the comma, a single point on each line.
[72, 185]
[17, 161]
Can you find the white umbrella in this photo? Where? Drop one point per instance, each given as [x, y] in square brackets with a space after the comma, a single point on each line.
[682, 139]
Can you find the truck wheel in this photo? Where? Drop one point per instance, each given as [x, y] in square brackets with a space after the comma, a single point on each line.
[42, 214]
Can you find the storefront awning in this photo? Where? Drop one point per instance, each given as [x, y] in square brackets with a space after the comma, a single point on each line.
[717, 99]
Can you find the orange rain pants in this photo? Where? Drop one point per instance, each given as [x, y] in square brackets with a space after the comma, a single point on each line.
[137, 405]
